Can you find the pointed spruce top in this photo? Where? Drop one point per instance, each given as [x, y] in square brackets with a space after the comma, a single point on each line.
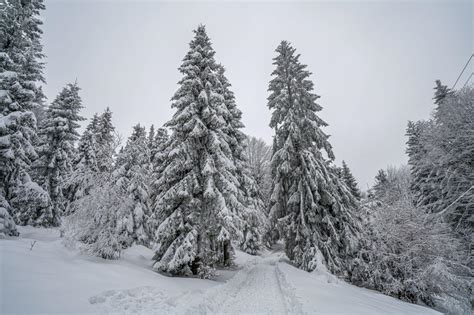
[293, 101]
[441, 91]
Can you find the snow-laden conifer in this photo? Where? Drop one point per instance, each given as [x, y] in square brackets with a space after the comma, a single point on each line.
[7, 224]
[198, 187]
[85, 167]
[57, 136]
[440, 154]
[312, 206]
[157, 146]
[350, 181]
[132, 175]
[253, 216]
[106, 143]
[158, 154]
[20, 73]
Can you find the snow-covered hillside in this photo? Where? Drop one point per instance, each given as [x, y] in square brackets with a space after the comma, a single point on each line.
[48, 278]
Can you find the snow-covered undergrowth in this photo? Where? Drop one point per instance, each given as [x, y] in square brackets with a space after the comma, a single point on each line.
[46, 277]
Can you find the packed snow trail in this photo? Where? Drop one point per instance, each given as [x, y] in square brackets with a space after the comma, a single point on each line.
[259, 288]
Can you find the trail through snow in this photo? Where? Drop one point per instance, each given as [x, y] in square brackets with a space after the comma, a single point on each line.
[260, 287]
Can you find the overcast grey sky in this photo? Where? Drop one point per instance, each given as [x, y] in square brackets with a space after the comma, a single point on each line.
[374, 63]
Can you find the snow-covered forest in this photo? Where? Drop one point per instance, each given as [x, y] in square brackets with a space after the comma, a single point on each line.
[169, 213]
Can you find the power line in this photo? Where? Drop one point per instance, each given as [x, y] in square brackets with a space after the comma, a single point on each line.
[467, 81]
[462, 71]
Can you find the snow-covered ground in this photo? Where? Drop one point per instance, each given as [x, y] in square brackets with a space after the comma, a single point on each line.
[50, 278]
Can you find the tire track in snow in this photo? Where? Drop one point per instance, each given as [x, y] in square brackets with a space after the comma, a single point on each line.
[292, 303]
[260, 287]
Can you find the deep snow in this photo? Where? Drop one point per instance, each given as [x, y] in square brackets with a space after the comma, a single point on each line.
[51, 278]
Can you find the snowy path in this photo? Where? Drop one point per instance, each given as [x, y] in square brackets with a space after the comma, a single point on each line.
[259, 288]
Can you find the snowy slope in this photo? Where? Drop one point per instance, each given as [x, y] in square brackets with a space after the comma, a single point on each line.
[52, 279]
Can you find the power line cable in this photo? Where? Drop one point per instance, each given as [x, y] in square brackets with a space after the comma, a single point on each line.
[467, 81]
[472, 55]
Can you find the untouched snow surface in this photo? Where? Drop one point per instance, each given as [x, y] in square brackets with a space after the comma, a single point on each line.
[50, 278]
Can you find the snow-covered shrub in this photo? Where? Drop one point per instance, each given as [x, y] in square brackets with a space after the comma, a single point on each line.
[415, 256]
[99, 221]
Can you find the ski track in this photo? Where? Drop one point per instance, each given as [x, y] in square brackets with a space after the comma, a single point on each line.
[259, 288]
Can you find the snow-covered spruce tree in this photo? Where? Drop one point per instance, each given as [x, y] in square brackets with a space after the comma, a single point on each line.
[254, 218]
[440, 157]
[350, 181]
[20, 73]
[312, 205]
[95, 155]
[105, 141]
[380, 181]
[7, 225]
[198, 188]
[157, 145]
[452, 148]
[258, 155]
[85, 166]
[158, 154]
[424, 185]
[426, 171]
[252, 214]
[151, 140]
[132, 175]
[57, 137]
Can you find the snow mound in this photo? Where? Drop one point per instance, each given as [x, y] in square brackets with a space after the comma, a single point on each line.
[136, 300]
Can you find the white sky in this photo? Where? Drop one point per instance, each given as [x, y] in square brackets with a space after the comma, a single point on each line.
[374, 63]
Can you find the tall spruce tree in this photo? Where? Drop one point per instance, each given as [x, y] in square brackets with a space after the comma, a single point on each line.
[380, 183]
[85, 165]
[157, 145]
[311, 204]
[453, 150]
[132, 175]
[350, 181]
[424, 171]
[440, 157]
[151, 139]
[20, 74]
[105, 141]
[198, 189]
[58, 134]
[252, 214]
[440, 154]
[158, 154]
